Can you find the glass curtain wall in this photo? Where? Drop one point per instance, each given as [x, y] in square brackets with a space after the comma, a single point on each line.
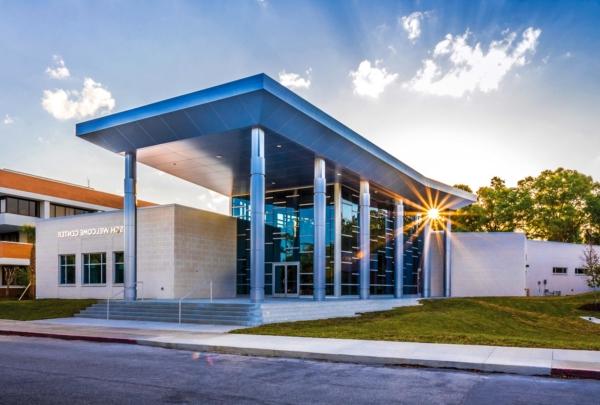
[413, 249]
[350, 242]
[382, 248]
[289, 237]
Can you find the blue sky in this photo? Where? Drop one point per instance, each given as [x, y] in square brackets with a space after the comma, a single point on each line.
[459, 90]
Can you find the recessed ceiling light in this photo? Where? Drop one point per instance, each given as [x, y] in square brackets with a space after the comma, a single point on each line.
[272, 182]
[339, 174]
[219, 156]
[279, 145]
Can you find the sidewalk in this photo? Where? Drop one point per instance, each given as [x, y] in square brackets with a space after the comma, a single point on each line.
[209, 338]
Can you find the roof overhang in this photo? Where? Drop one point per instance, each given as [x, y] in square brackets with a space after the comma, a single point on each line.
[203, 137]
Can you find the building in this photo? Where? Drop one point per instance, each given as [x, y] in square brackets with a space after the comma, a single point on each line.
[316, 211]
[25, 200]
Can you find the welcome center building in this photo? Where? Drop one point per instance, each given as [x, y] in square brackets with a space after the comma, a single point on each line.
[316, 209]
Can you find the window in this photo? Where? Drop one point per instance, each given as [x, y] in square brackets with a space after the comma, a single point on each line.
[66, 269]
[94, 268]
[20, 206]
[57, 210]
[580, 271]
[559, 270]
[119, 264]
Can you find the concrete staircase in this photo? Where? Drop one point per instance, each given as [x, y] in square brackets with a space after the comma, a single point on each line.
[242, 314]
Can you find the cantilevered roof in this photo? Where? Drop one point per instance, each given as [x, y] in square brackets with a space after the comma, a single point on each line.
[203, 137]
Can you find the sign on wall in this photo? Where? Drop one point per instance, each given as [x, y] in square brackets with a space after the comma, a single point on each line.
[99, 231]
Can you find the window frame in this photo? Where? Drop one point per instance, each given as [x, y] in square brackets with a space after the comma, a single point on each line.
[114, 266]
[582, 273]
[60, 268]
[87, 267]
[555, 273]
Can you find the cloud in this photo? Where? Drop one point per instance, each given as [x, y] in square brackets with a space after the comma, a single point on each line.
[60, 70]
[294, 80]
[370, 80]
[457, 68]
[412, 24]
[262, 3]
[8, 120]
[67, 104]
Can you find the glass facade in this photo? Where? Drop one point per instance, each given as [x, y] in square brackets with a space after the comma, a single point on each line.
[57, 210]
[289, 238]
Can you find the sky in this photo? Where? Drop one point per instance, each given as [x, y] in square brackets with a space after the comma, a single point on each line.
[459, 90]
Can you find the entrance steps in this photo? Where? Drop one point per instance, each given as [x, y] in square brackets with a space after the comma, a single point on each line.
[238, 312]
[168, 311]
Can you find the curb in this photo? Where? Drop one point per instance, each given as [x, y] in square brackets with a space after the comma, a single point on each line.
[561, 372]
[99, 339]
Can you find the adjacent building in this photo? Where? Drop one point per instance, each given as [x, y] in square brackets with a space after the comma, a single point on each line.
[25, 200]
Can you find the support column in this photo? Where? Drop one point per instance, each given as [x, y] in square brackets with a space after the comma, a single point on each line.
[399, 249]
[257, 216]
[319, 212]
[337, 243]
[45, 209]
[130, 227]
[427, 259]
[448, 259]
[365, 239]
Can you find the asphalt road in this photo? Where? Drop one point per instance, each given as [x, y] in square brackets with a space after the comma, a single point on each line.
[70, 372]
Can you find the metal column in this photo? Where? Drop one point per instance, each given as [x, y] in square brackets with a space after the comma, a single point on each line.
[319, 212]
[427, 259]
[130, 227]
[365, 239]
[399, 249]
[448, 259]
[337, 243]
[257, 216]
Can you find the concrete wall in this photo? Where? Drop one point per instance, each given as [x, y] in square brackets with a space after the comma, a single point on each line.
[205, 244]
[172, 239]
[437, 264]
[488, 264]
[543, 256]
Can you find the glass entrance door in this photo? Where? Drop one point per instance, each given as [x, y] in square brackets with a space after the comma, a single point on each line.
[285, 279]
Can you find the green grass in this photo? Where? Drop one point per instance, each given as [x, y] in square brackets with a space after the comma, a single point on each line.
[551, 322]
[41, 309]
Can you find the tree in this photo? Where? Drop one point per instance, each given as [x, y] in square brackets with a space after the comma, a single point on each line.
[29, 232]
[563, 204]
[497, 209]
[10, 275]
[591, 263]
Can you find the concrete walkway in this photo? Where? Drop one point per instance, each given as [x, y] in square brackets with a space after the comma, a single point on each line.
[525, 361]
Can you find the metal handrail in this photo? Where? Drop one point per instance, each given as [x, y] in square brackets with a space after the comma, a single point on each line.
[24, 291]
[114, 295]
[192, 290]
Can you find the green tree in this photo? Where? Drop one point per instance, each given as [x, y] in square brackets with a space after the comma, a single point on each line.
[563, 206]
[497, 209]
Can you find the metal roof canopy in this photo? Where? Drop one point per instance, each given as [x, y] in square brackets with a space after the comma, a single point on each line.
[204, 137]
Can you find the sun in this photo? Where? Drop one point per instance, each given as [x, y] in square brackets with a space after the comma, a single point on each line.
[433, 214]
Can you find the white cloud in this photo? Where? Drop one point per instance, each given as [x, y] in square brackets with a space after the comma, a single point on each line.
[371, 79]
[8, 120]
[60, 70]
[67, 104]
[457, 68]
[412, 24]
[262, 3]
[294, 80]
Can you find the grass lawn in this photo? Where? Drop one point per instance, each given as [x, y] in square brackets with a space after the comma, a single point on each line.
[41, 309]
[551, 322]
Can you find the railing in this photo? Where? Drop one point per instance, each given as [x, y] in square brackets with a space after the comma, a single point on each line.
[193, 290]
[24, 291]
[111, 296]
